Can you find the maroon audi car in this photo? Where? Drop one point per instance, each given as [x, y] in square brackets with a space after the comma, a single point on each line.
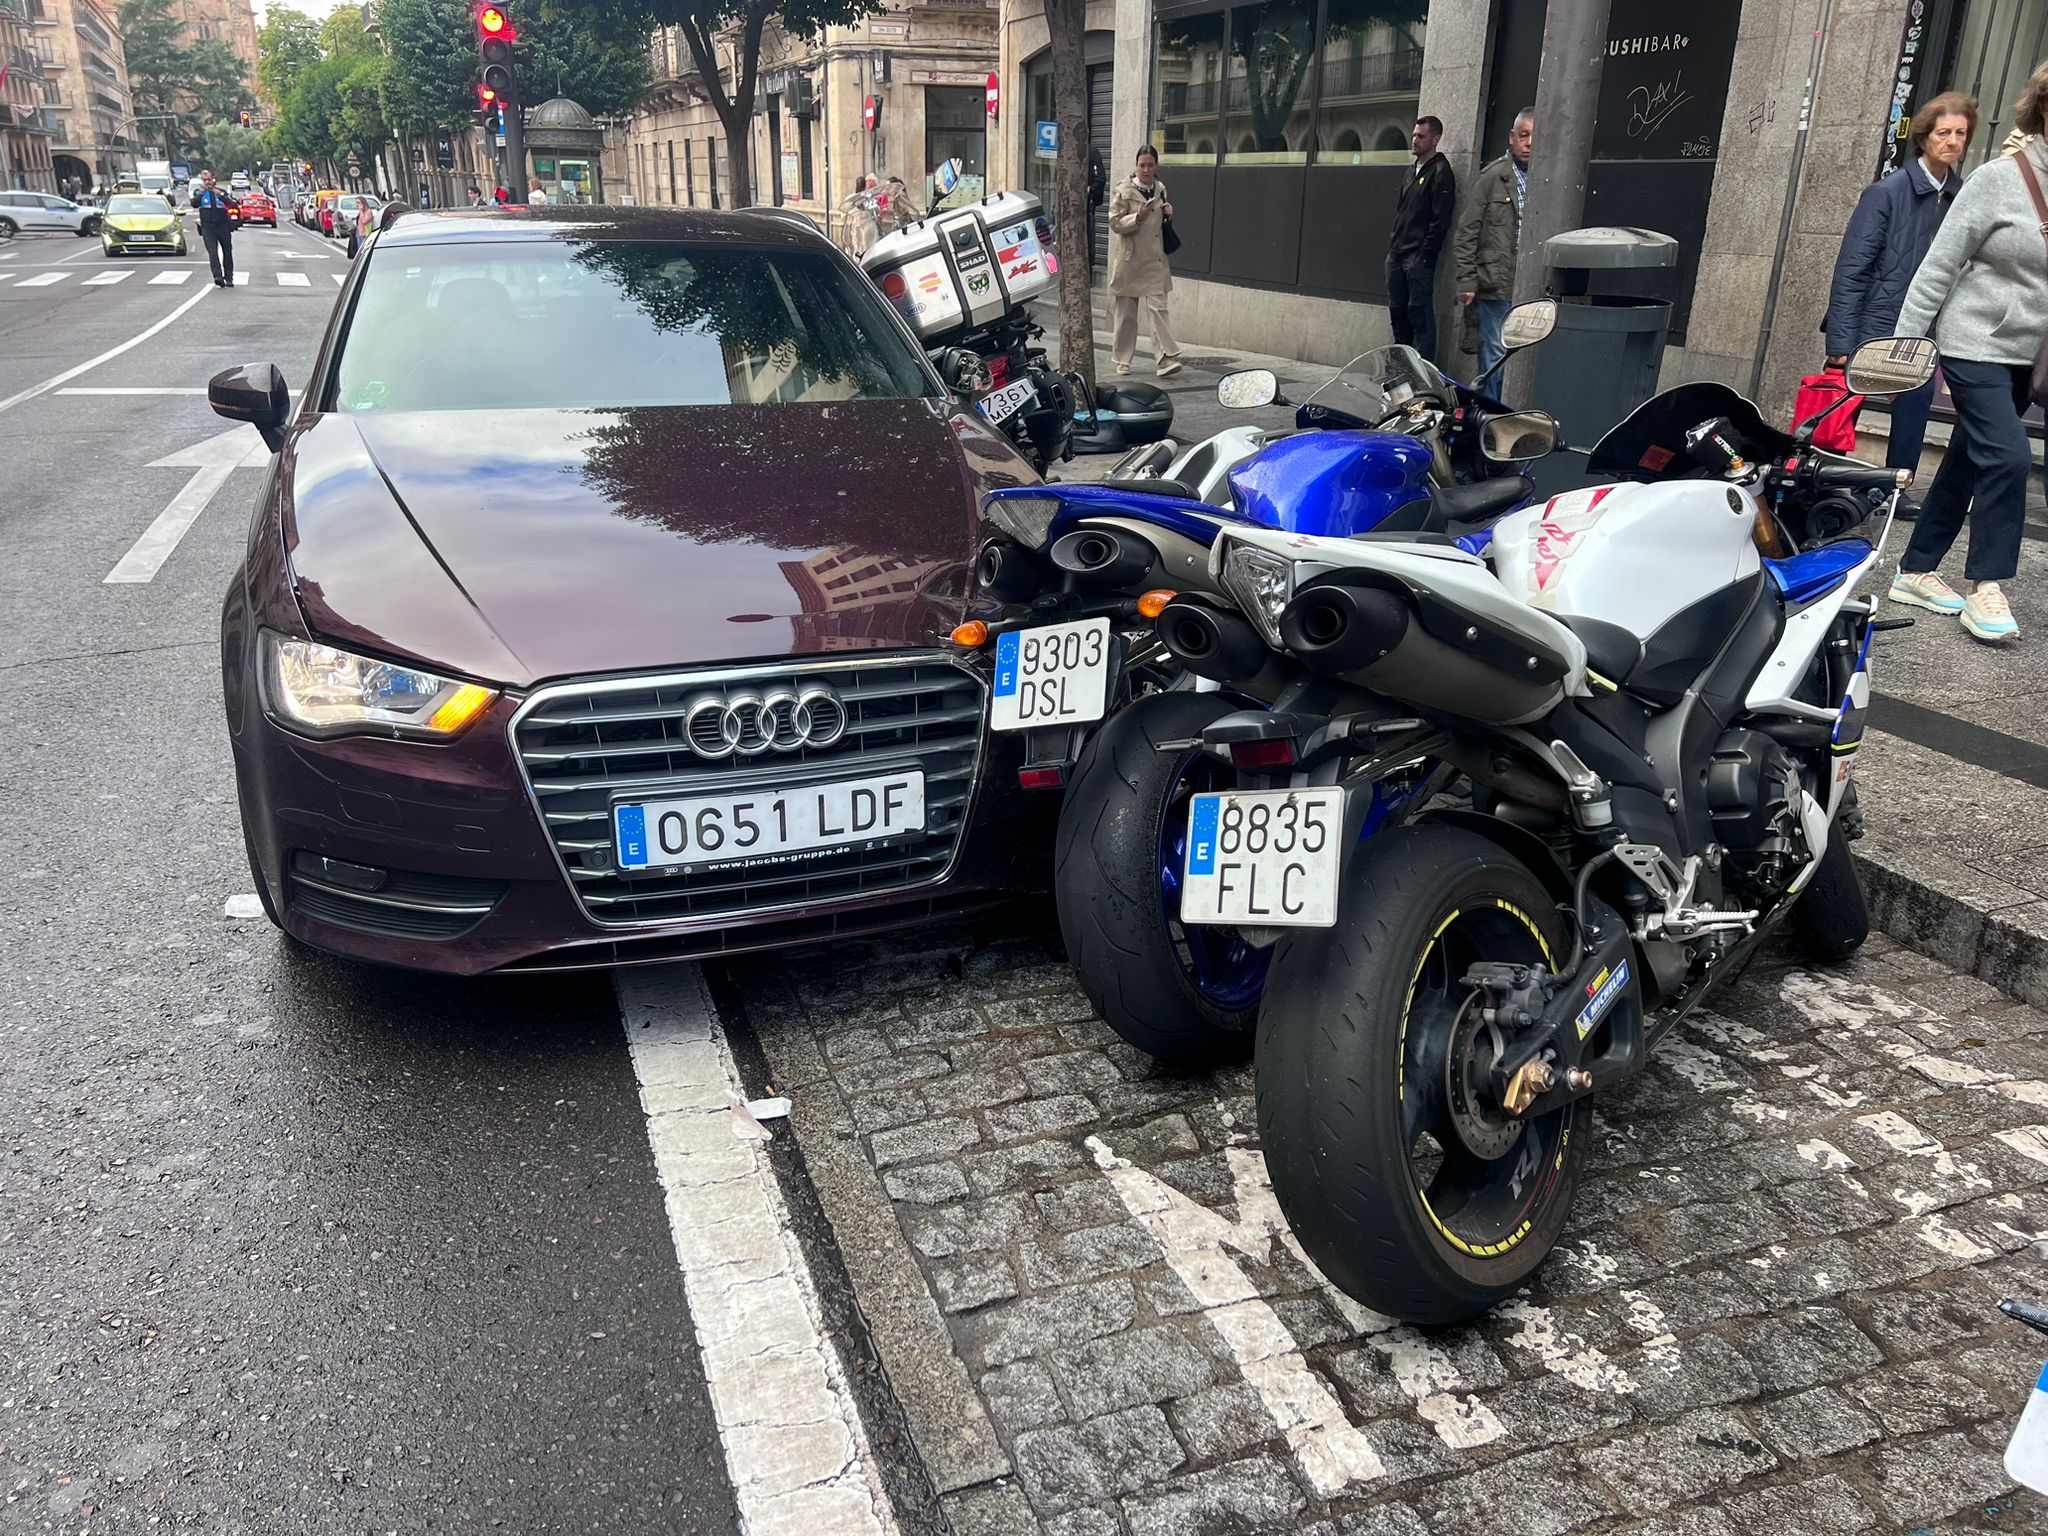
[596, 608]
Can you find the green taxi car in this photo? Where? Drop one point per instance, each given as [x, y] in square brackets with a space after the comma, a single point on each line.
[141, 221]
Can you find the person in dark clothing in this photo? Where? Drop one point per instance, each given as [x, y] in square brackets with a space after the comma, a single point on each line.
[1422, 222]
[1894, 224]
[217, 229]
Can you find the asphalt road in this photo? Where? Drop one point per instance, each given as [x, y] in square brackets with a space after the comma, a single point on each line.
[284, 1245]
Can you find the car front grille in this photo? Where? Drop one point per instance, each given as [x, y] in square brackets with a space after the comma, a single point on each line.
[586, 746]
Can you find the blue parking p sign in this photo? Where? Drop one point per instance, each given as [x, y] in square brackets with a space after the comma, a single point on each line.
[1048, 145]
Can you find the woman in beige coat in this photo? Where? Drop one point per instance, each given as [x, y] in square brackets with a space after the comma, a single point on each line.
[1137, 264]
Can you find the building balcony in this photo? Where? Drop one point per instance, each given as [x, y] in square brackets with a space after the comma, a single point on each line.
[92, 32]
[99, 71]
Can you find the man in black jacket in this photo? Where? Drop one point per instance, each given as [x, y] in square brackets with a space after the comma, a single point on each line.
[217, 229]
[1422, 222]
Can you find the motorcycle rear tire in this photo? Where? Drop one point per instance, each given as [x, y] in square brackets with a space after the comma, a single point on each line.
[1106, 880]
[1348, 1011]
[1830, 918]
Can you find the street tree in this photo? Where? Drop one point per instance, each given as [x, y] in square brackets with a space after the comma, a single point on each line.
[286, 47]
[597, 57]
[432, 79]
[215, 86]
[722, 35]
[1066, 22]
[230, 147]
[157, 68]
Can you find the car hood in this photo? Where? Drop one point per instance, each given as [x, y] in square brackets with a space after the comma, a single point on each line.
[518, 546]
[142, 223]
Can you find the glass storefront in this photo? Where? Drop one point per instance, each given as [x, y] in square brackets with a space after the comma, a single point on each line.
[955, 129]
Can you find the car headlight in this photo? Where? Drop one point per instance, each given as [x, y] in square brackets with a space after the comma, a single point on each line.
[1027, 519]
[1261, 585]
[322, 690]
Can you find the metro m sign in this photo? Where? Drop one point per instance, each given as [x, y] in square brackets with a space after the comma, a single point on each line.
[995, 95]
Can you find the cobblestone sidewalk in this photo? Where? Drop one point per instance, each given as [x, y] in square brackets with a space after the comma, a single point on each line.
[1774, 1312]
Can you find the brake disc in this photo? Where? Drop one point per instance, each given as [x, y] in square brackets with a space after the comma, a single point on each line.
[1483, 1127]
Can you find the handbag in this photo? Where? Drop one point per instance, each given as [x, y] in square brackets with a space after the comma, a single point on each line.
[1169, 240]
[1818, 392]
[2037, 382]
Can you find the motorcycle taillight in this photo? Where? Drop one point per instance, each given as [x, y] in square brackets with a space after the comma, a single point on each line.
[998, 370]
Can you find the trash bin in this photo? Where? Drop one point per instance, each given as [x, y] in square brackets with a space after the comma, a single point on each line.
[1601, 361]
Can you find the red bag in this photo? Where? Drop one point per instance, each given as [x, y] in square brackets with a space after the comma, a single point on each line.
[1817, 392]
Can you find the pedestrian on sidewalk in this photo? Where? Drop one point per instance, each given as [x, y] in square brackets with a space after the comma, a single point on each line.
[898, 211]
[1982, 294]
[216, 229]
[1895, 222]
[1138, 217]
[1490, 238]
[858, 207]
[1422, 222]
[359, 227]
[537, 197]
[477, 198]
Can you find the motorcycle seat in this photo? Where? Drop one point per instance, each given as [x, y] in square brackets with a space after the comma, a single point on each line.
[1481, 499]
[1611, 651]
[1148, 486]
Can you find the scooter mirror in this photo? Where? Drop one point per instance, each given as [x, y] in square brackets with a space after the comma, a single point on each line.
[1891, 365]
[1516, 437]
[962, 369]
[1527, 324]
[1252, 387]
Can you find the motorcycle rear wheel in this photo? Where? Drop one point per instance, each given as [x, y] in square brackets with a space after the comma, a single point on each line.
[1368, 1131]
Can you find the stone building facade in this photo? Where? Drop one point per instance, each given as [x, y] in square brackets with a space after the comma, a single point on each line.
[79, 45]
[232, 21]
[925, 66]
[26, 128]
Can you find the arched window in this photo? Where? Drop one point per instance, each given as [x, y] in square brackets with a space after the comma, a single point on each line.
[1391, 137]
[1349, 143]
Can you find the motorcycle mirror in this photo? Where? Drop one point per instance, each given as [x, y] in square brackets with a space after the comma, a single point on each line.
[962, 369]
[1516, 437]
[1247, 389]
[1527, 324]
[1892, 365]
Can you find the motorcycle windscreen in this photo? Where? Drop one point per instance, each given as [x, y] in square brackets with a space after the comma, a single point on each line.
[1649, 443]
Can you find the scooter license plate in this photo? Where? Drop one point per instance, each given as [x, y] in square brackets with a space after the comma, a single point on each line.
[1057, 674]
[1264, 858]
[1001, 404]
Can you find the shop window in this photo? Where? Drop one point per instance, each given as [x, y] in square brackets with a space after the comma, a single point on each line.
[955, 128]
[1038, 171]
[1266, 103]
[1188, 68]
[1371, 82]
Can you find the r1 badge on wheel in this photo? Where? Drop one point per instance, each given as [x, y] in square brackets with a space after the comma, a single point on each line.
[1264, 858]
[1056, 675]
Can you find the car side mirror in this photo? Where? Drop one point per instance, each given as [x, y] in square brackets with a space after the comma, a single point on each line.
[1891, 365]
[1247, 389]
[255, 393]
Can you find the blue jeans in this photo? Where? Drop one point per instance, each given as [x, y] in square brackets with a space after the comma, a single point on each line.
[1411, 302]
[1493, 313]
[1983, 475]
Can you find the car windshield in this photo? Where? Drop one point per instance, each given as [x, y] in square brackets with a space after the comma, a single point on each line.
[1377, 382]
[517, 324]
[145, 205]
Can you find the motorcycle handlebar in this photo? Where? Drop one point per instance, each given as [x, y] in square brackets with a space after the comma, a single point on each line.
[1860, 477]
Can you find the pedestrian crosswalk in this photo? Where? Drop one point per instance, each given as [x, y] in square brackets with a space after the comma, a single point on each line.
[20, 277]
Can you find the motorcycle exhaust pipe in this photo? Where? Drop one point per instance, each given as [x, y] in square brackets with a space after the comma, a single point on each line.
[1104, 556]
[1210, 643]
[1341, 629]
[1009, 571]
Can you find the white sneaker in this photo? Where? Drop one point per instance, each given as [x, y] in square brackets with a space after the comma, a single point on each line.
[1987, 614]
[1924, 589]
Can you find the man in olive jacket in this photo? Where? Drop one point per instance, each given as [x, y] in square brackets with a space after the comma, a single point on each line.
[1490, 236]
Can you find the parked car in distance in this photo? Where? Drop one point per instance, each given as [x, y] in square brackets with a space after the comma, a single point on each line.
[31, 213]
[323, 211]
[256, 208]
[550, 666]
[141, 221]
[343, 214]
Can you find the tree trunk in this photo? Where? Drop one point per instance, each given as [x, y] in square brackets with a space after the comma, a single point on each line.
[1066, 21]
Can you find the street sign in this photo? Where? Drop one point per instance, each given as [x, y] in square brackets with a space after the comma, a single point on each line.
[444, 149]
[870, 111]
[995, 94]
[1047, 145]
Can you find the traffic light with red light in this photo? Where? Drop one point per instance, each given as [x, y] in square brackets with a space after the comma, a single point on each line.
[495, 36]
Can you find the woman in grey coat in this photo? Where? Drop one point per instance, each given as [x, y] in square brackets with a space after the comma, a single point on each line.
[1982, 294]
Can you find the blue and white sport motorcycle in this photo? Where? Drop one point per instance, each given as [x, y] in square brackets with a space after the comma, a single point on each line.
[1652, 692]
[1387, 444]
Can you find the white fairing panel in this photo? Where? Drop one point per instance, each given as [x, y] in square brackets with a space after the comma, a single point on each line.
[1633, 555]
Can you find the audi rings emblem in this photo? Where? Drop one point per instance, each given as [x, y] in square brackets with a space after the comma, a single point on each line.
[782, 719]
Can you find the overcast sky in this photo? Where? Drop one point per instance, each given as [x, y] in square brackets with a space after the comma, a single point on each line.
[315, 8]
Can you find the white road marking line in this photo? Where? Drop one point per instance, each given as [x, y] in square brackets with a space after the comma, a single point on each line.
[241, 279]
[42, 280]
[293, 280]
[91, 363]
[339, 278]
[795, 1452]
[183, 275]
[211, 461]
[104, 278]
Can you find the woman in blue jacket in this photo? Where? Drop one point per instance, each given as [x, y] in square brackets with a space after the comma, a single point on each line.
[1894, 224]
